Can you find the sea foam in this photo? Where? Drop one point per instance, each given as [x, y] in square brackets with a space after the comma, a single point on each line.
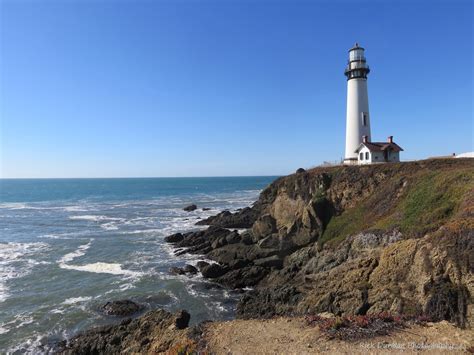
[102, 268]
[74, 300]
[15, 261]
[81, 250]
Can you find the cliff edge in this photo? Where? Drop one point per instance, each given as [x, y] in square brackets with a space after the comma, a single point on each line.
[350, 240]
[382, 251]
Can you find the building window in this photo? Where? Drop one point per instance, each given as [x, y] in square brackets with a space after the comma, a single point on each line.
[365, 118]
[361, 156]
[366, 155]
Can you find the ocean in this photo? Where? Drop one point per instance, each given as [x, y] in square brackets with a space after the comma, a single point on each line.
[67, 246]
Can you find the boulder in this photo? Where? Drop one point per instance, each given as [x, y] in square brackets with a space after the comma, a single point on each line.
[174, 238]
[121, 308]
[238, 264]
[247, 276]
[233, 238]
[241, 219]
[213, 271]
[300, 171]
[157, 331]
[174, 270]
[189, 269]
[190, 208]
[218, 243]
[271, 261]
[201, 264]
[246, 238]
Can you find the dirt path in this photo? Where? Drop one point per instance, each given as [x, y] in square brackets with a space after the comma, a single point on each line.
[293, 336]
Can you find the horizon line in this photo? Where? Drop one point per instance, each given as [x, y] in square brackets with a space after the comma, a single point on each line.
[134, 177]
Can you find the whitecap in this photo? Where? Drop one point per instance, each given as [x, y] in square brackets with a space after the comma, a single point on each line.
[110, 226]
[127, 286]
[13, 206]
[101, 268]
[95, 218]
[144, 231]
[74, 300]
[74, 235]
[80, 251]
[3, 330]
[57, 311]
[75, 209]
[10, 254]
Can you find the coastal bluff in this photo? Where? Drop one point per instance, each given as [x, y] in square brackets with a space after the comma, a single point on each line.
[351, 240]
[346, 241]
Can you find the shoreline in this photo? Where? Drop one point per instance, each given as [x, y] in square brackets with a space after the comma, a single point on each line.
[284, 255]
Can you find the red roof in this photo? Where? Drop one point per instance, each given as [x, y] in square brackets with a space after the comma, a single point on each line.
[381, 146]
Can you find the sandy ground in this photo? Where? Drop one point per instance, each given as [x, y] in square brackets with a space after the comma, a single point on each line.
[293, 336]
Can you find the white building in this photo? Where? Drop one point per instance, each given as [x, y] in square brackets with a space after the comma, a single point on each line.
[357, 116]
[378, 152]
[359, 147]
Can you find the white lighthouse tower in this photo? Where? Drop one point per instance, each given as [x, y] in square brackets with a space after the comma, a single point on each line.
[357, 117]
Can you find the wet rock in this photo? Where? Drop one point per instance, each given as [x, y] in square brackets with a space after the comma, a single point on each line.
[174, 270]
[174, 238]
[206, 209]
[213, 271]
[189, 269]
[241, 219]
[196, 241]
[201, 264]
[247, 276]
[161, 298]
[190, 208]
[121, 308]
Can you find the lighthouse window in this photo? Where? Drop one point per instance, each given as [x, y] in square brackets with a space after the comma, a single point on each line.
[364, 118]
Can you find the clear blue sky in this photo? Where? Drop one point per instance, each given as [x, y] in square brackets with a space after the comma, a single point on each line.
[203, 88]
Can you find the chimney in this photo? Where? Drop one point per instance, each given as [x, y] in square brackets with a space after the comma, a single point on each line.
[364, 139]
[390, 139]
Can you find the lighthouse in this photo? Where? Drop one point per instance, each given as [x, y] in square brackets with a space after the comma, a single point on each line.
[357, 115]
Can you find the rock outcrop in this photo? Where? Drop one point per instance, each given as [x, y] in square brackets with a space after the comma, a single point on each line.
[121, 308]
[190, 208]
[350, 240]
[155, 332]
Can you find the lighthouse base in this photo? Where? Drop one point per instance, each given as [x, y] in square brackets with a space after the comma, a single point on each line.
[350, 161]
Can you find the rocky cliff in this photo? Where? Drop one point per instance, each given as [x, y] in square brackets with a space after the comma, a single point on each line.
[395, 238]
[350, 240]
